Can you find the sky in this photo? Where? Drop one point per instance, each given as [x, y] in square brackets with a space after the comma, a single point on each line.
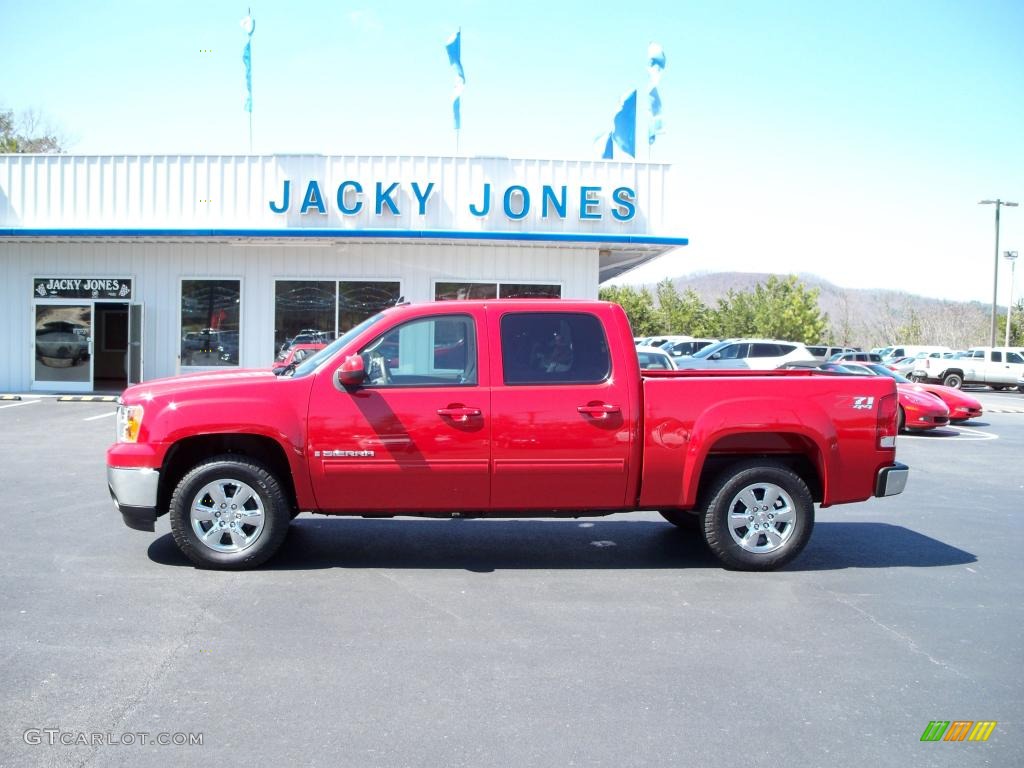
[852, 141]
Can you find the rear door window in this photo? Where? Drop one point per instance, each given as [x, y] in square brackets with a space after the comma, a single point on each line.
[554, 348]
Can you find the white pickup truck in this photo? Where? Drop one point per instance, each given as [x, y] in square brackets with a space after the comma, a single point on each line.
[999, 367]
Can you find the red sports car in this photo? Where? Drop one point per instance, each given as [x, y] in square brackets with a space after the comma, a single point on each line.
[961, 406]
[919, 409]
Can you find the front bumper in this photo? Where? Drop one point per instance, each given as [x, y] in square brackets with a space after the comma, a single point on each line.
[134, 493]
[892, 480]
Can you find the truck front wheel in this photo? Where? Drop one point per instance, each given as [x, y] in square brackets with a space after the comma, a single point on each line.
[229, 513]
[757, 516]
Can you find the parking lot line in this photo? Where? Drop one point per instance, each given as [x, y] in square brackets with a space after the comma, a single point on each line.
[101, 416]
[15, 405]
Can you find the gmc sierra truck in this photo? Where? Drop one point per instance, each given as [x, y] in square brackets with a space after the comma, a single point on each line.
[517, 408]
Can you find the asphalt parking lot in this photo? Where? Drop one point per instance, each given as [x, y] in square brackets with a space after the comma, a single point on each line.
[598, 642]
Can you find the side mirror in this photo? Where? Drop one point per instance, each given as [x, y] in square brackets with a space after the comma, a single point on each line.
[716, 356]
[352, 372]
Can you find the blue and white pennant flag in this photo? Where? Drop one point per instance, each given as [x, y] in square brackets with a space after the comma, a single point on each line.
[623, 133]
[454, 48]
[249, 25]
[655, 67]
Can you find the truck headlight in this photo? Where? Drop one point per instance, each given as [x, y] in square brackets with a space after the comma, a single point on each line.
[129, 420]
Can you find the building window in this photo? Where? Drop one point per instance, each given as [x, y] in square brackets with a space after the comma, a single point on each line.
[210, 322]
[456, 291]
[553, 348]
[304, 313]
[360, 299]
[530, 291]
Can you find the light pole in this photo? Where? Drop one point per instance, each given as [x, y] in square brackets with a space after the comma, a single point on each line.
[1010, 256]
[995, 276]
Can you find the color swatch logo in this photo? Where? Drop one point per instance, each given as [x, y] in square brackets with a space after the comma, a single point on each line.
[958, 730]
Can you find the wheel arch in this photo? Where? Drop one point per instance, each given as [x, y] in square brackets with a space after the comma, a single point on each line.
[794, 450]
[191, 451]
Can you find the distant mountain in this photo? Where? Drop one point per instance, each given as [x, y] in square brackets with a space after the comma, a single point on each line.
[866, 318]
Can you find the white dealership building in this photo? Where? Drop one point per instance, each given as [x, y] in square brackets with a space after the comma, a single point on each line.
[116, 269]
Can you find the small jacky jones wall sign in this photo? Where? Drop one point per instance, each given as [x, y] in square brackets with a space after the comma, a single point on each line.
[82, 288]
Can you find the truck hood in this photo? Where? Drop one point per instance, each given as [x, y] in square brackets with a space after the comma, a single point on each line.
[196, 382]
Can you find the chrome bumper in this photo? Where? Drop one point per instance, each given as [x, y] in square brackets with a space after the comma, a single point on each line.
[134, 493]
[892, 480]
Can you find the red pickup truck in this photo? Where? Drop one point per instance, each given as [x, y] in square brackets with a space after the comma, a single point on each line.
[517, 408]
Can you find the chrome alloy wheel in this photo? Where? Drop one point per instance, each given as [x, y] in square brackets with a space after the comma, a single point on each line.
[227, 515]
[762, 518]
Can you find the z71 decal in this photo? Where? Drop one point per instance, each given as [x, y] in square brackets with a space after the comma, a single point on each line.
[863, 403]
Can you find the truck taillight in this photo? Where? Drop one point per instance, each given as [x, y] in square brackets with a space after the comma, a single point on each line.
[886, 429]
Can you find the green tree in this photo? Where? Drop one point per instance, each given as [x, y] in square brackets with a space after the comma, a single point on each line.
[911, 332]
[787, 309]
[26, 134]
[639, 306]
[735, 315]
[685, 314]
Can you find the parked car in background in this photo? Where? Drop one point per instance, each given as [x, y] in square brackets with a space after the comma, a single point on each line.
[903, 365]
[295, 355]
[753, 354]
[821, 352]
[962, 407]
[308, 336]
[687, 346]
[654, 358]
[998, 367]
[913, 350]
[855, 356]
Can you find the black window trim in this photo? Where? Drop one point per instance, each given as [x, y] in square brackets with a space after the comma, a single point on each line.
[590, 382]
[442, 384]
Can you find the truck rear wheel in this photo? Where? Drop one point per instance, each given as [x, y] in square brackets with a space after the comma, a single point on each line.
[954, 380]
[229, 513]
[757, 516]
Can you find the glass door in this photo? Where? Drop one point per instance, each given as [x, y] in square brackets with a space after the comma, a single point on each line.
[63, 347]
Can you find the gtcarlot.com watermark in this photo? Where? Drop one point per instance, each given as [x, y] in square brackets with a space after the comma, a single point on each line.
[54, 737]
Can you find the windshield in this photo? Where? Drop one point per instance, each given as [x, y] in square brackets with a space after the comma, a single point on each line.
[708, 351]
[313, 362]
[882, 370]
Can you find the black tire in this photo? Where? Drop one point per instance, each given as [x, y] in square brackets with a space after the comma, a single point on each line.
[761, 478]
[998, 387]
[901, 419]
[954, 380]
[683, 518]
[267, 496]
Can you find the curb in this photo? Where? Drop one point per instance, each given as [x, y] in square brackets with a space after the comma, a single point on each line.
[10, 397]
[87, 399]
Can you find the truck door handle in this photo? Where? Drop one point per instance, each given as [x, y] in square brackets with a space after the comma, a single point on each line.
[460, 413]
[598, 410]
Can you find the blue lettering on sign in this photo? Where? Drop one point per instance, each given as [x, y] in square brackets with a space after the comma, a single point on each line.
[516, 200]
[357, 188]
[625, 204]
[524, 209]
[548, 196]
[422, 196]
[287, 197]
[587, 202]
[384, 198]
[313, 199]
[487, 203]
